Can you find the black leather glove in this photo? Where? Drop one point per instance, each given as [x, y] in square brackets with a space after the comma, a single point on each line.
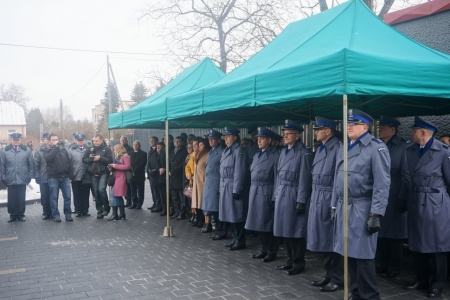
[402, 205]
[272, 205]
[332, 215]
[236, 196]
[300, 208]
[373, 225]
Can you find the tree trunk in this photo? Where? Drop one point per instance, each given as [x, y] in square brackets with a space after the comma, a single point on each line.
[386, 7]
[369, 3]
[323, 5]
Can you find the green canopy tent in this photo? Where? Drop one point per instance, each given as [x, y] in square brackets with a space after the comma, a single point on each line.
[144, 114]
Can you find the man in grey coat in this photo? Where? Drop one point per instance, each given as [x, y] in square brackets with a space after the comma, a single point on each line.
[320, 227]
[211, 187]
[292, 195]
[368, 190]
[16, 171]
[260, 213]
[393, 229]
[80, 192]
[428, 207]
[233, 199]
[40, 170]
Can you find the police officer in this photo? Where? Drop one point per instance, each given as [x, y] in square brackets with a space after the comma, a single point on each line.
[211, 187]
[320, 227]
[252, 146]
[80, 191]
[393, 223]
[368, 191]
[260, 213]
[40, 168]
[16, 171]
[292, 195]
[428, 206]
[233, 199]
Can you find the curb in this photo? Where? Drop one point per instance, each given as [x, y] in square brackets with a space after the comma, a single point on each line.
[29, 201]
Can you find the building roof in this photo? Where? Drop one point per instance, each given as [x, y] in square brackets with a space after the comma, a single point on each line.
[11, 113]
[418, 11]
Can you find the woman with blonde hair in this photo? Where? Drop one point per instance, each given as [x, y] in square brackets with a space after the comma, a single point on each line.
[120, 187]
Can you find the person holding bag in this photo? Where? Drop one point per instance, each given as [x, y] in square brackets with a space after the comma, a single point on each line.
[120, 187]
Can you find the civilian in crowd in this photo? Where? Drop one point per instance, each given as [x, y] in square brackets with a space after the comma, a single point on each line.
[153, 175]
[80, 192]
[189, 172]
[16, 171]
[445, 139]
[40, 170]
[160, 147]
[138, 163]
[120, 186]
[199, 181]
[176, 163]
[59, 173]
[188, 166]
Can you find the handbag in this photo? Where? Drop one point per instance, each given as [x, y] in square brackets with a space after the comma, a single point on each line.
[188, 190]
[111, 178]
[86, 179]
[129, 175]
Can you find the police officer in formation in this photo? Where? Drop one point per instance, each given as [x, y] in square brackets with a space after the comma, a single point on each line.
[40, 170]
[320, 226]
[393, 227]
[16, 171]
[428, 207]
[233, 200]
[263, 176]
[368, 188]
[292, 196]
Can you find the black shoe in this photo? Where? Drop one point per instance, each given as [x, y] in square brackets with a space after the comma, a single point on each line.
[74, 212]
[163, 213]
[157, 210]
[207, 228]
[229, 244]
[78, 215]
[138, 207]
[322, 282]
[192, 218]
[57, 220]
[269, 258]
[151, 207]
[181, 217]
[237, 247]
[218, 237]
[131, 207]
[86, 215]
[122, 215]
[415, 286]
[434, 293]
[174, 216]
[21, 219]
[11, 219]
[46, 217]
[127, 205]
[69, 219]
[295, 271]
[259, 255]
[390, 274]
[330, 287]
[284, 267]
[100, 216]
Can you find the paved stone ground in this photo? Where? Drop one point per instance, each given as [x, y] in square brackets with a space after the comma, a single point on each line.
[130, 259]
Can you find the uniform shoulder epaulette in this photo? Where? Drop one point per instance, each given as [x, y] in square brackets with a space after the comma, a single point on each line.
[377, 140]
[242, 151]
[23, 147]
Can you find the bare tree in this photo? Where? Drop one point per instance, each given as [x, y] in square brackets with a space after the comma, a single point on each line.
[15, 93]
[228, 31]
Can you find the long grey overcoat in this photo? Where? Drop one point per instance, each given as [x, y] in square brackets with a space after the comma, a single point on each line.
[429, 201]
[76, 159]
[320, 227]
[393, 223]
[233, 175]
[369, 167]
[211, 187]
[293, 186]
[16, 168]
[263, 177]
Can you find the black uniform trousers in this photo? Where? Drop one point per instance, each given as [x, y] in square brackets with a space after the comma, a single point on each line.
[163, 196]
[334, 265]
[137, 193]
[16, 200]
[45, 199]
[390, 252]
[422, 262]
[156, 197]
[238, 233]
[363, 281]
[270, 243]
[178, 201]
[295, 250]
[81, 195]
[221, 227]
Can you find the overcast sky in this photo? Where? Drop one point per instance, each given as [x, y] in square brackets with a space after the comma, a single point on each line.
[50, 75]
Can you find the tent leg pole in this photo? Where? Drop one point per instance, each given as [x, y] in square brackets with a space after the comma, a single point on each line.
[345, 204]
[167, 230]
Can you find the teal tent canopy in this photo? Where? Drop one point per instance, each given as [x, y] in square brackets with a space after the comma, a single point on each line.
[152, 112]
[308, 68]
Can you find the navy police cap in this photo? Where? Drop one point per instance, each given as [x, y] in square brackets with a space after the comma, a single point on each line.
[358, 116]
[291, 125]
[231, 130]
[46, 135]
[80, 137]
[252, 130]
[323, 122]
[214, 134]
[15, 135]
[421, 123]
[265, 132]
[389, 122]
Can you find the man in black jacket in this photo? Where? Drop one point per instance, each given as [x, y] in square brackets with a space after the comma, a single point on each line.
[59, 174]
[98, 157]
[176, 163]
[138, 163]
[153, 175]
